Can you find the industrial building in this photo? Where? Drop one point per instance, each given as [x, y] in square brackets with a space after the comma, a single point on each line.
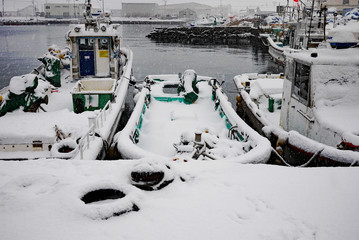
[63, 10]
[139, 9]
[188, 14]
[183, 10]
[342, 6]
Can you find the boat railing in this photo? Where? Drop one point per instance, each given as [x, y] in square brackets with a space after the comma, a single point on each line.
[85, 140]
[95, 124]
[101, 117]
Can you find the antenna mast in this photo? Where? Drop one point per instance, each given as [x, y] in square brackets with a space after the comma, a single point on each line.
[103, 8]
[3, 8]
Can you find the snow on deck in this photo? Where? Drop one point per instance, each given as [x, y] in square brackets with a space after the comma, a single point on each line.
[164, 123]
[20, 127]
[218, 200]
[261, 88]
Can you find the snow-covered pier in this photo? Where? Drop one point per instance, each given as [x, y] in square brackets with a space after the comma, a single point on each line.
[206, 35]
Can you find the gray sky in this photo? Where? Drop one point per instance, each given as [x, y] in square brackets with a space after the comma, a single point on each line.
[116, 4]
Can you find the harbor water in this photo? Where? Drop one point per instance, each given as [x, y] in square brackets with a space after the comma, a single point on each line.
[20, 46]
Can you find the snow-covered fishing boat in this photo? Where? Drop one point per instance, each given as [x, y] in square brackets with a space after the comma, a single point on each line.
[186, 117]
[344, 36]
[70, 106]
[307, 33]
[311, 115]
[276, 50]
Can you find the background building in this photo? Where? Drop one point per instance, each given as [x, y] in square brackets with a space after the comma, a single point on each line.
[188, 14]
[28, 11]
[173, 10]
[342, 6]
[139, 9]
[63, 10]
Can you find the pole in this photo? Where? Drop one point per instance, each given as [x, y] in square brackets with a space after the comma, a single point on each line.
[310, 24]
[3, 8]
[103, 8]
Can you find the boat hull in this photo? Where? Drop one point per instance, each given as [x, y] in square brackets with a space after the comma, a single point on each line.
[181, 121]
[292, 146]
[276, 52]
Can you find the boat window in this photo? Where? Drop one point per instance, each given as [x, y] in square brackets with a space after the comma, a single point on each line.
[289, 70]
[301, 82]
[86, 44]
[103, 44]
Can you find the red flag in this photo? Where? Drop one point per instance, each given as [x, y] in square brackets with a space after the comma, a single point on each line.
[295, 1]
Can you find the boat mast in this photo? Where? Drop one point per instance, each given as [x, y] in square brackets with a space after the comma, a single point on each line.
[285, 10]
[103, 8]
[310, 24]
[3, 8]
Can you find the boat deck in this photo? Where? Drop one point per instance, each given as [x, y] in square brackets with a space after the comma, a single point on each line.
[165, 122]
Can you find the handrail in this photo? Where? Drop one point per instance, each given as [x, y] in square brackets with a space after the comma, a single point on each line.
[98, 123]
[87, 138]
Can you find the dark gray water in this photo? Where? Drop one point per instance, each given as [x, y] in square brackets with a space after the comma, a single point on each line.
[20, 46]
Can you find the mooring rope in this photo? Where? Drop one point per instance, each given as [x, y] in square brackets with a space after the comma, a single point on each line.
[303, 165]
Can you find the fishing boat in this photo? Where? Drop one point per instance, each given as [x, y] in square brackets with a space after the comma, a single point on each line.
[344, 36]
[308, 32]
[185, 117]
[70, 106]
[311, 113]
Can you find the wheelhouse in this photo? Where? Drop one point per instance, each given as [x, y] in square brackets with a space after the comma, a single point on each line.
[95, 51]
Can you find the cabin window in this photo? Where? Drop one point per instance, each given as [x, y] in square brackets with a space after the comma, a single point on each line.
[301, 83]
[86, 44]
[345, 2]
[103, 44]
[289, 70]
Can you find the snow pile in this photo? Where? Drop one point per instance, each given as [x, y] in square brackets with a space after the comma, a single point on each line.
[213, 200]
[19, 84]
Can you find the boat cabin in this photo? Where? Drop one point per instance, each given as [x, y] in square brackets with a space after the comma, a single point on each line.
[95, 50]
[306, 34]
[320, 95]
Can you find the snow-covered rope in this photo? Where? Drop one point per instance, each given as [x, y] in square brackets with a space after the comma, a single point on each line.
[303, 165]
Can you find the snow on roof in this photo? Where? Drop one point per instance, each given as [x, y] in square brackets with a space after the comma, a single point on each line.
[328, 56]
[109, 31]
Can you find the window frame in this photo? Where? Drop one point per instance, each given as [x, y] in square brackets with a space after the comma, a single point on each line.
[296, 90]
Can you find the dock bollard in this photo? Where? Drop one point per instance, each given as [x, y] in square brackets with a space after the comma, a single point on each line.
[198, 137]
